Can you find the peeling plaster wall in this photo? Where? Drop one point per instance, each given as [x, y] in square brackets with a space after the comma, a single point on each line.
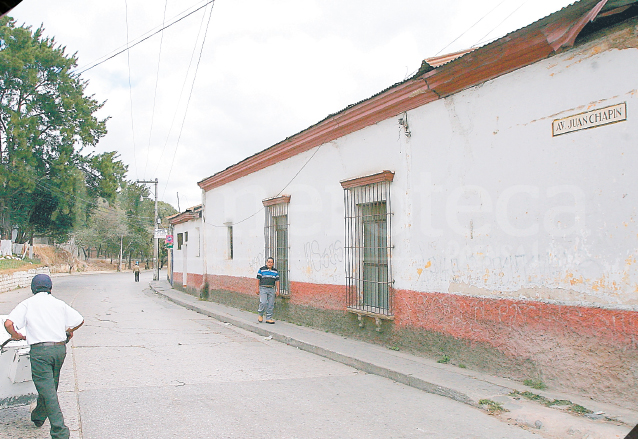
[503, 209]
[316, 212]
[502, 234]
[485, 201]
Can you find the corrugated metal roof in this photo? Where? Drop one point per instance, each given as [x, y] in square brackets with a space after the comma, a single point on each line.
[194, 212]
[608, 7]
[452, 73]
[437, 61]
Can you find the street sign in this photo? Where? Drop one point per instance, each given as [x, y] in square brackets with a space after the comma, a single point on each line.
[168, 243]
[160, 233]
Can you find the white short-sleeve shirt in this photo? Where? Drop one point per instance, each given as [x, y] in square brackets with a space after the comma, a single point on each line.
[44, 318]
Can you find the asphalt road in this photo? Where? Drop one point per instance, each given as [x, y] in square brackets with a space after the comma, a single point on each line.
[143, 367]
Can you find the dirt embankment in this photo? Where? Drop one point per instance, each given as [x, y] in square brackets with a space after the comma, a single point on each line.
[61, 261]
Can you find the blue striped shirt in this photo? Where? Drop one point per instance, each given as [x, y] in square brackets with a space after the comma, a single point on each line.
[267, 276]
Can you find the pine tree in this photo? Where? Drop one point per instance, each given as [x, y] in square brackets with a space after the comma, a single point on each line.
[46, 123]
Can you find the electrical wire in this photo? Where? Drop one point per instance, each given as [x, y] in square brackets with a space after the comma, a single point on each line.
[181, 94]
[130, 89]
[498, 25]
[159, 58]
[466, 31]
[189, 99]
[128, 47]
[95, 204]
[278, 194]
[68, 195]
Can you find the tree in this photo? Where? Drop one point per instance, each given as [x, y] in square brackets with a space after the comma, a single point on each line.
[140, 209]
[48, 185]
[103, 230]
[127, 222]
[164, 210]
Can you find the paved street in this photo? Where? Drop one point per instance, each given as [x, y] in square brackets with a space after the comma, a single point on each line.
[143, 367]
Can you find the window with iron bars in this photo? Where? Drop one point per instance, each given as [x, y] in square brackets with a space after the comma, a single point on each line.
[276, 239]
[368, 244]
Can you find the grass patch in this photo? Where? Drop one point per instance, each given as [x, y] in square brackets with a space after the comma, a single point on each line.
[443, 360]
[462, 366]
[392, 348]
[579, 410]
[492, 407]
[427, 344]
[533, 397]
[561, 402]
[12, 264]
[204, 294]
[537, 384]
[574, 408]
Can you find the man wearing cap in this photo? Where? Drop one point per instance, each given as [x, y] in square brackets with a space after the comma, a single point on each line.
[49, 324]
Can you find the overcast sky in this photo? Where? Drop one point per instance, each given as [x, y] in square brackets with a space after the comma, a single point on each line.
[268, 68]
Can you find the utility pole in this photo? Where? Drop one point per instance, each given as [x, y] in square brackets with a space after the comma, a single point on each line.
[156, 221]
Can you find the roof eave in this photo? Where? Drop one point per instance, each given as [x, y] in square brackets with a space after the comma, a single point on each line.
[509, 53]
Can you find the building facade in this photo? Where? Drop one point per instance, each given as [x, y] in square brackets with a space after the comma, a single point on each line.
[187, 262]
[483, 209]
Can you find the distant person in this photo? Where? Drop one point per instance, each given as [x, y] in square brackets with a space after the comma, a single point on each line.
[136, 270]
[267, 289]
[49, 324]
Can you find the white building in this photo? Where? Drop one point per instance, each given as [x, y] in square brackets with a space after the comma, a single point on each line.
[187, 263]
[488, 203]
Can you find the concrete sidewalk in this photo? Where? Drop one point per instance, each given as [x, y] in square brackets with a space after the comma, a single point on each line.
[463, 385]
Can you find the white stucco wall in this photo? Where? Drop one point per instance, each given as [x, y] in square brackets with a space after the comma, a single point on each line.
[485, 201]
[192, 252]
[503, 208]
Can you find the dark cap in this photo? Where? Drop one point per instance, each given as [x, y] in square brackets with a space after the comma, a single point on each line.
[40, 283]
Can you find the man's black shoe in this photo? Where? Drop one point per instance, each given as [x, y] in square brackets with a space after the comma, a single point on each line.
[38, 423]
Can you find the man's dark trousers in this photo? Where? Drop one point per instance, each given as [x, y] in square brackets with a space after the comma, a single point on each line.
[46, 362]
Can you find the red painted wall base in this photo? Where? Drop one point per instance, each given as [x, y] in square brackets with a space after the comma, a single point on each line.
[591, 350]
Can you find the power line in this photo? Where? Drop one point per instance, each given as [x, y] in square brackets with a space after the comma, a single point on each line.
[466, 31]
[279, 193]
[39, 182]
[181, 94]
[128, 47]
[189, 98]
[130, 88]
[42, 185]
[159, 57]
[503, 21]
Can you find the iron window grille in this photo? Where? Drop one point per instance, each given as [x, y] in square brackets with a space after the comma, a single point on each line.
[368, 247]
[276, 239]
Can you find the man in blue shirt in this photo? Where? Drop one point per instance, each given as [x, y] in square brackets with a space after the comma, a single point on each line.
[267, 289]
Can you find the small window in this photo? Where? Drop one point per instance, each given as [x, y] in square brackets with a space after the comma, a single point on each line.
[230, 242]
[180, 240]
[185, 236]
[197, 243]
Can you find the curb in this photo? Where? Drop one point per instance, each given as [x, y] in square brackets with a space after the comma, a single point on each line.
[358, 364]
[468, 388]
